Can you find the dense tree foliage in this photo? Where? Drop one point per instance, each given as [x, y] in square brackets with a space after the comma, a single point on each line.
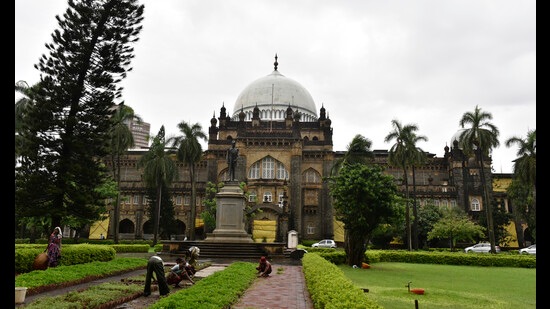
[428, 216]
[455, 225]
[364, 198]
[209, 213]
[65, 129]
[523, 191]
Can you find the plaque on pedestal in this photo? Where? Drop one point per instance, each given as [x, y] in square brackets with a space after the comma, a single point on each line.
[230, 216]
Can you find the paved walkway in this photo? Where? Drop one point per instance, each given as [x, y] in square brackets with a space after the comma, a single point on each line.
[284, 288]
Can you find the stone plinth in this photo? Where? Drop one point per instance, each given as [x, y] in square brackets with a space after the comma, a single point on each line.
[230, 216]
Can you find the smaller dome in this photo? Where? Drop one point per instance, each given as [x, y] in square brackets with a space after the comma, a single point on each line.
[456, 137]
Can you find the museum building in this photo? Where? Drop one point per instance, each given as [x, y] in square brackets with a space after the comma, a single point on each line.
[285, 152]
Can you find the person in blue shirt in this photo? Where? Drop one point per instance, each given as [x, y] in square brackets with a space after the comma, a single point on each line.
[179, 272]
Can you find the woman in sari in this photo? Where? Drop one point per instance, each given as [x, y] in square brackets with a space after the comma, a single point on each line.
[54, 247]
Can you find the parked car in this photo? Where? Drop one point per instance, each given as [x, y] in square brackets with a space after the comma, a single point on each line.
[481, 247]
[325, 243]
[532, 249]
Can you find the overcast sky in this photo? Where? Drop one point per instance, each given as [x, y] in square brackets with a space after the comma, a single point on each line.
[366, 62]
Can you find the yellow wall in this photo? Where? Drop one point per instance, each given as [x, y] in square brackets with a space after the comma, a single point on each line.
[264, 228]
[98, 228]
[338, 230]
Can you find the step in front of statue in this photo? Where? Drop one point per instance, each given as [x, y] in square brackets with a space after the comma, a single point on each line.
[209, 250]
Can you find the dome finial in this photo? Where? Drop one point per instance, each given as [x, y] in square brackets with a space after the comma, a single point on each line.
[276, 63]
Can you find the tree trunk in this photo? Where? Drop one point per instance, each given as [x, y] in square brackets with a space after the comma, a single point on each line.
[116, 209]
[415, 214]
[355, 247]
[157, 215]
[408, 210]
[488, 205]
[193, 206]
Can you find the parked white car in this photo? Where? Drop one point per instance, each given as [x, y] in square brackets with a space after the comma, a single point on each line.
[481, 247]
[325, 243]
[532, 249]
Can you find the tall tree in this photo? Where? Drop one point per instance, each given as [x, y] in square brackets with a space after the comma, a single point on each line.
[479, 139]
[21, 106]
[525, 166]
[358, 151]
[120, 140]
[405, 154]
[159, 170]
[364, 198]
[67, 126]
[524, 189]
[189, 151]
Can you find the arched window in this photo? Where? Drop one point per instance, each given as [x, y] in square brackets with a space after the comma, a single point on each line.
[252, 196]
[474, 204]
[254, 171]
[268, 168]
[268, 197]
[281, 172]
[311, 176]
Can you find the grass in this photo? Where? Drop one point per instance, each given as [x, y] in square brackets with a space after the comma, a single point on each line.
[446, 286]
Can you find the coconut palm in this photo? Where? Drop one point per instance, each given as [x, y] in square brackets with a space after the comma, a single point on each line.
[358, 151]
[405, 154]
[479, 139]
[418, 158]
[158, 169]
[189, 151]
[525, 172]
[21, 106]
[525, 166]
[121, 139]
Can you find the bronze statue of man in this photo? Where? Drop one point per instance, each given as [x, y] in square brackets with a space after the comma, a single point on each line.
[232, 155]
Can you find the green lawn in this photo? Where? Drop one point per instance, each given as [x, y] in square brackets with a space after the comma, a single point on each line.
[447, 286]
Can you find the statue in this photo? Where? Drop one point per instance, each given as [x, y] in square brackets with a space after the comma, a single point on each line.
[232, 155]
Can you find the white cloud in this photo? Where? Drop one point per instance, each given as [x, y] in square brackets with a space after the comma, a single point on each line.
[367, 62]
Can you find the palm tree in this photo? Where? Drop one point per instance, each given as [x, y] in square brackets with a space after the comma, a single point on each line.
[358, 151]
[525, 166]
[189, 151]
[403, 154]
[121, 139]
[479, 140]
[21, 106]
[158, 170]
[418, 158]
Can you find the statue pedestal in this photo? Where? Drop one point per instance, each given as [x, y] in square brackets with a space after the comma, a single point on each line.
[230, 216]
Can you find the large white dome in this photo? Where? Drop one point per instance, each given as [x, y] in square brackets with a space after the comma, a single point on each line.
[273, 94]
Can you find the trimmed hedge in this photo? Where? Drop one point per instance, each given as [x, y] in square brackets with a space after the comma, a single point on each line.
[70, 255]
[323, 276]
[451, 258]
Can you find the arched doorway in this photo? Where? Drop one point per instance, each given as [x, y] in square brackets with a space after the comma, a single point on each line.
[264, 224]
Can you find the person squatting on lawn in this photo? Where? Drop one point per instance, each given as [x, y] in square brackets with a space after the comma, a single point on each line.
[264, 269]
[54, 247]
[156, 265]
[179, 272]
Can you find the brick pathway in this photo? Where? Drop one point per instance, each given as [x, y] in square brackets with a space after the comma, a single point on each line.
[284, 288]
